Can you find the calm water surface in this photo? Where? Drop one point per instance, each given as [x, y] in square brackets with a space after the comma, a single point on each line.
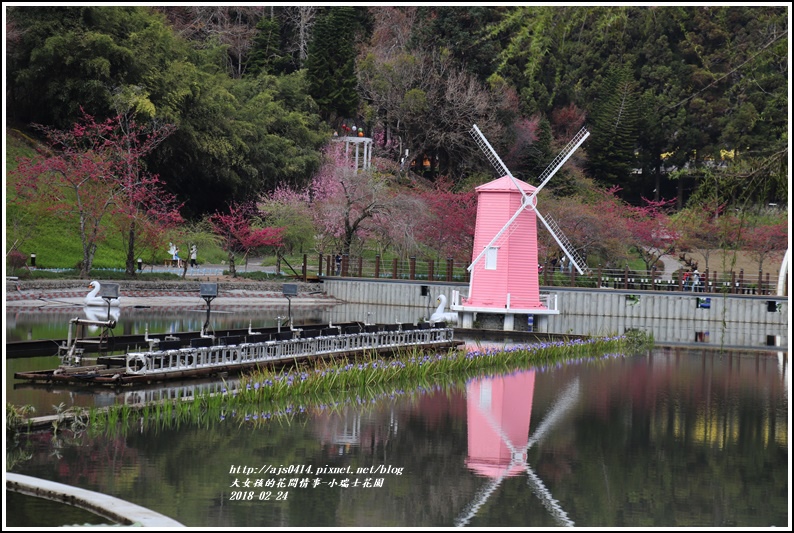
[678, 437]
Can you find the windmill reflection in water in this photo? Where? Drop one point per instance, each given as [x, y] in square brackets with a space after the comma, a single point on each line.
[499, 441]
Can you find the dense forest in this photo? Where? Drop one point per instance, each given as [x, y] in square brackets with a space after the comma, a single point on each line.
[670, 94]
[684, 104]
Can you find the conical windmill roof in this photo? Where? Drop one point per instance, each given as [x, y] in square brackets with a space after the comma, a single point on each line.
[505, 184]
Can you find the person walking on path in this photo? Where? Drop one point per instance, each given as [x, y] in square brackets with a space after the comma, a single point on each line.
[696, 281]
[193, 254]
[174, 251]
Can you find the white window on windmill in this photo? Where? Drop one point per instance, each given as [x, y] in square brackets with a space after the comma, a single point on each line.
[490, 257]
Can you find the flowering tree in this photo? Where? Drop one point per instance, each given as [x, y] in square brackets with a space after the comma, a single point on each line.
[291, 209]
[597, 228]
[398, 229]
[766, 241]
[95, 170]
[92, 172]
[345, 200]
[239, 233]
[145, 208]
[703, 227]
[651, 230]
[448, 223]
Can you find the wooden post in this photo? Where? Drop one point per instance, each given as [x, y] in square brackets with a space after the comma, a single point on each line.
[412, 268]
[741, 281]
[394, 268]
[304, 268]
[573, 274]
[449, 268]
[653, 278]
[430, 270]
[760, 277]
[626, 277]
[377, 266]
[598, 283]
[733, 282]
[320, 265]
[328, 266]
[766, 285]
[345, 260]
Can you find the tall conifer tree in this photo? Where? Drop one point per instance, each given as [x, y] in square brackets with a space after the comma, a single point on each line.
[330, 67]
[611, 151]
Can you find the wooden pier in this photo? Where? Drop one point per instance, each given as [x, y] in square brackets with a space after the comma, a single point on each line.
[174, 359]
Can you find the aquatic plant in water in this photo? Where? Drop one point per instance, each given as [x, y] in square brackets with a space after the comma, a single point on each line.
[265, 395]
[406, 368]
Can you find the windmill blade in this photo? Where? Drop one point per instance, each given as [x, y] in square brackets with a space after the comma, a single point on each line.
[565, 244]
[502, 169]
[491, 155]
[548, 501]
[561, 158]
[561, 406]
[479, 499]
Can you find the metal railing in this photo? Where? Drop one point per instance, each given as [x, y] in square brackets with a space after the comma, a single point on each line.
[302, 344]
[412, 268]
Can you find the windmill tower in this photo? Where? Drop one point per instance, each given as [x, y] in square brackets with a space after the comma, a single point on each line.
[503, 272]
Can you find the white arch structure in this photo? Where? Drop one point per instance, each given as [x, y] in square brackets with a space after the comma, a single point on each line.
[366, 154]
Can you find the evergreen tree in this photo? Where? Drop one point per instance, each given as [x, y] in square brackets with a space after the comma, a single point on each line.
[611, 152]
[540, 151]
[266, 53]
[330, 66]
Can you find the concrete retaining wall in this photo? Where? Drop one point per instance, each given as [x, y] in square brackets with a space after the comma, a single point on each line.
[390, 292]
[732, 319]
[581, 301]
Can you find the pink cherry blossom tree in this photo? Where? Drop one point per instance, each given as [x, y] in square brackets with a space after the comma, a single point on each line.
[345, 200]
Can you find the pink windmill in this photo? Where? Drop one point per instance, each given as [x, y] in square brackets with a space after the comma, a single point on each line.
[503, 272]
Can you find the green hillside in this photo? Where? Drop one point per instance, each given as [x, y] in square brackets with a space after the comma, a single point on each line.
[55, 242]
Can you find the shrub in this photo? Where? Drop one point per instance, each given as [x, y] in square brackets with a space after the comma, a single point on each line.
[16, 259]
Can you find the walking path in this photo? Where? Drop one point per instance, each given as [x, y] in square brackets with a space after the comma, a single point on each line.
[212, 269]
[670, 265]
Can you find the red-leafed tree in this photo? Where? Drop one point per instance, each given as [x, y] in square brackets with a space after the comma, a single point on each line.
[146, 210]
[766, 241]
[597, 228]
[448, 224]
[651, 231]
[240, 231]
[95, 172]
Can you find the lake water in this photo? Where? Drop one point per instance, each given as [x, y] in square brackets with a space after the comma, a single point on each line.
[677, 437]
